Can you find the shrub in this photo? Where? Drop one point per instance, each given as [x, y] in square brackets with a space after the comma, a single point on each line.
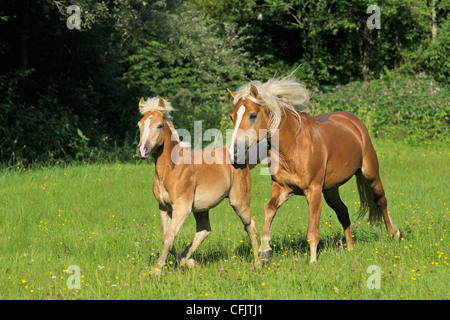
[48, 132]
[415, 110]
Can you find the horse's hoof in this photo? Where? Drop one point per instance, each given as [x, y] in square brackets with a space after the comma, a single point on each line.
[398, 234]
[313, 260]
[191, 263]
[156, 272]
[265, 254]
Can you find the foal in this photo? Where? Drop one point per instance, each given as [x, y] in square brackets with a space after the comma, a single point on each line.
[182, 186]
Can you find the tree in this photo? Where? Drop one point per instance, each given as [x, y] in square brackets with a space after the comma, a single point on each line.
[191, 62]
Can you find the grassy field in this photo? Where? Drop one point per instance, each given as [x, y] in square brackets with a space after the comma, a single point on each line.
[104, 219]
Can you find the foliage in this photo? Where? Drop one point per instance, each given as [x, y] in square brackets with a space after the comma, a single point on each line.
[56, 80]
[190, 65]
[74, 83]
[415, 110]
[330, 39]
[431, 56]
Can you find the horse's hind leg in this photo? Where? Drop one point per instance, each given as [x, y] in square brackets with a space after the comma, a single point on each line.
[250, 226]
[370, 172]
[240, 201]
[203, 230]
[333, 199]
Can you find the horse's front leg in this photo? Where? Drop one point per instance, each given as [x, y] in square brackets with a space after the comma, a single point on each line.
[314, 197]
[277, 197]
[166, 218]
[179, 215]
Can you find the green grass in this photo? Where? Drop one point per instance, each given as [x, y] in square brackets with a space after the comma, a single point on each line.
[104, 219]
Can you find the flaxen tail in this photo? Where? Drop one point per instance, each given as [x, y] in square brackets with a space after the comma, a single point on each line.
[367, 200]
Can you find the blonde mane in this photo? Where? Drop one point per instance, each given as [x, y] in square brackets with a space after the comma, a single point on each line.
[278, 95]
[152, 105]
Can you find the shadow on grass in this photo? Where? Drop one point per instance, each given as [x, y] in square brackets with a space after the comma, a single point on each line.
[282, 245]
[299, 244]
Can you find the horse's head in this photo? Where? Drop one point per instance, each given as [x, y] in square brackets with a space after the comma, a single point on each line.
[151, 128]
[250, 125]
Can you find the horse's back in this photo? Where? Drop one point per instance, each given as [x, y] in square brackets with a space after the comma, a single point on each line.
[213, 166]
[344, 118]
[345, 122]
[347, 141]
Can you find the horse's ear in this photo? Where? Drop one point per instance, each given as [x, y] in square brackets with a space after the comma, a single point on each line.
[161, 103]
[254, 92]
[233, 94]
[141, 104]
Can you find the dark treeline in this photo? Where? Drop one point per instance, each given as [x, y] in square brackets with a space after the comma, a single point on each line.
[72, 94]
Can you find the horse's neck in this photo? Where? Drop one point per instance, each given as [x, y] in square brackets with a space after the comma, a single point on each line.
[163, 156]
[290, 134]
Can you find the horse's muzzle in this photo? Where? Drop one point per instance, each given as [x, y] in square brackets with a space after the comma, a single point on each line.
[146, 154]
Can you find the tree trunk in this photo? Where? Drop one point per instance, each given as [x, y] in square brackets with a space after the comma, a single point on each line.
[433, 20]
[365, 41]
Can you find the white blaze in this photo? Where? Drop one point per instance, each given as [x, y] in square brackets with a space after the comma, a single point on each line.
[145, 135]
[240, 113]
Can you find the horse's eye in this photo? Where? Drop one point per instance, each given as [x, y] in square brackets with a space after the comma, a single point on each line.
[252, 116]
[231, 118]
[160, 126]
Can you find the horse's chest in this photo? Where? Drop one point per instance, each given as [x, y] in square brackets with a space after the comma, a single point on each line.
[291, 181]
[161, 193]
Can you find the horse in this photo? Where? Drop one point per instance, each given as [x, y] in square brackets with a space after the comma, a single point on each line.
[186, 186]
[314, 155]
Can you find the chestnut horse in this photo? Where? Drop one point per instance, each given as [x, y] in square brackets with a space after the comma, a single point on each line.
[315, 155]
[184, 186]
